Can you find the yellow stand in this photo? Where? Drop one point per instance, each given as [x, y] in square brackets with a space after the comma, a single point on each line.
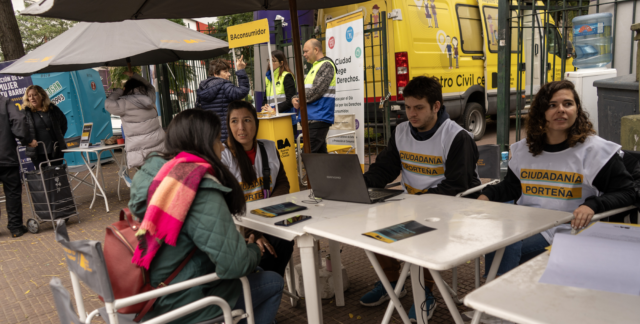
[280, 130]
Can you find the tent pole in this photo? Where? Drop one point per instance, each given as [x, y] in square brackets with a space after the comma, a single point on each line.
[295, 33]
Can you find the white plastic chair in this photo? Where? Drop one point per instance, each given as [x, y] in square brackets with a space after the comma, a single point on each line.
[86, 262]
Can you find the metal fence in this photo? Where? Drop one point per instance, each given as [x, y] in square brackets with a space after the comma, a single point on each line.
[551, 23]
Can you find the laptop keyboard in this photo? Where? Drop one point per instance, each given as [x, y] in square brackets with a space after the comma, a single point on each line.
[377, 194]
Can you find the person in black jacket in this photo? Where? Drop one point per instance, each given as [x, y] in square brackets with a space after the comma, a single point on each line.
[47, 123]
[434, 155]
[13, 125]
[561, 165]
[285, 88]
[216, 92]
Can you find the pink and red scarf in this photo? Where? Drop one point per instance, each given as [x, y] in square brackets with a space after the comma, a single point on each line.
[169, 198]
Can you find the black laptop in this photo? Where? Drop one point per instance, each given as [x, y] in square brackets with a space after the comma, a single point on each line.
[339, 177]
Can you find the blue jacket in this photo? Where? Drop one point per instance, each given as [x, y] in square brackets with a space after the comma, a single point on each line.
[216, 93]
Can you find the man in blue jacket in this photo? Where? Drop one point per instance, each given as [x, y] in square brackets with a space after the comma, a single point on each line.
[216, 92]
[320, 92]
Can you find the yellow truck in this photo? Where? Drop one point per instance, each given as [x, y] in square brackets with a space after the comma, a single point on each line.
[455, 41]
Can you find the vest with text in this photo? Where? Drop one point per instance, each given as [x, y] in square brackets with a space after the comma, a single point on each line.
[560, 180]
[254, 191]
[423, 162]
[280, 93]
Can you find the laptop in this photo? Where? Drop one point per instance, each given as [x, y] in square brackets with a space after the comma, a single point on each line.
[339, 177]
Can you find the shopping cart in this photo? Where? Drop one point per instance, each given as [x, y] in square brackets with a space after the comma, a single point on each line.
[49, 192]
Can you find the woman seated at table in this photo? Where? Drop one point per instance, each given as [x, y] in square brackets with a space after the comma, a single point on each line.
[561, 165]
[187, 197]
[245, 156]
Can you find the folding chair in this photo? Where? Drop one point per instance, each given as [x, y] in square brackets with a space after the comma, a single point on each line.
[86, 262]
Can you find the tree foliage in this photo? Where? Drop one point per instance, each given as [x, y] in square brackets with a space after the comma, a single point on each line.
[36, 31]
[220, 27]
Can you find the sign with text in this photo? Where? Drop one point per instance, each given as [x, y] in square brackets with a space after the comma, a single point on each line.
[86, 135]
[345, 45]
[255, 32]
[13, 86]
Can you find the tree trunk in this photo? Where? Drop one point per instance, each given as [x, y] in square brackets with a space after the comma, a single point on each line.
[10, 39]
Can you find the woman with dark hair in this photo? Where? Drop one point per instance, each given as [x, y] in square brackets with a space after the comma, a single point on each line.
[47, 124]
[197, 223]
[249, 160]
[561, 165]
[216, 92]
[285, 88]
[136, 105]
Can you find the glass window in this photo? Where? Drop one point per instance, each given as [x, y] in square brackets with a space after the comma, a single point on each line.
[470, 29]
[554, 41]
[491, 21]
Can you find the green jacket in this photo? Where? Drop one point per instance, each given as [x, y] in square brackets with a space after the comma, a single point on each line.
[208, 227]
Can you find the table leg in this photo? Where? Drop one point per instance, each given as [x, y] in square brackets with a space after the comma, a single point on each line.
[289, 277]
[387, 286]
[98, 173]
[477, 316]
[96, 183]
[476, 262]
[403, 276]
[453, 309]
[86, 161]
[336, 264]
[310, 279]
[417, 276]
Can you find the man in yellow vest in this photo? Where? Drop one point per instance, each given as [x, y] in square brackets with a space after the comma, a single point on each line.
[320, 91]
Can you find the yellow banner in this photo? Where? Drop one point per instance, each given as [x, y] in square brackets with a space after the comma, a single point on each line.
[421, 158]
[414, 191]
[551, 176]
[251, 33]
[551, 191]
[437, 171]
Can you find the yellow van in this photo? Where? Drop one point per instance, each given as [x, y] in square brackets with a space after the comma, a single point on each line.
[454, 40]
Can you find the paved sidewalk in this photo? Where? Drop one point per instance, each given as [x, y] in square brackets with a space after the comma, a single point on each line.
[28, 263]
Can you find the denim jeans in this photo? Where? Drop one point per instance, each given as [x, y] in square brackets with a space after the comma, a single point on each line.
[517, 254]
[266, 293]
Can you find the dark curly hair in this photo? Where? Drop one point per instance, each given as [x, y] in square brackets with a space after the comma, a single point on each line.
[536, 123]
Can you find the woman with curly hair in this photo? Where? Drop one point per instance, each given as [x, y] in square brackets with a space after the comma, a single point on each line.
[561, 165]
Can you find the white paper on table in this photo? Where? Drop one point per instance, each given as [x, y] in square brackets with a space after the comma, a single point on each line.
[594, 263]
[619, 232]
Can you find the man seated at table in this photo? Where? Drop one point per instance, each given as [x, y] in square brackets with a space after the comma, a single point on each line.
[434, 155]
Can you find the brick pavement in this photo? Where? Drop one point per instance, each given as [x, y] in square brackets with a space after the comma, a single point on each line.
[28, 263]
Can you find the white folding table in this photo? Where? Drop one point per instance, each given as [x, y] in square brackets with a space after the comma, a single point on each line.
[98, 150]
[518, 296]
[465, 230]
[327, 209]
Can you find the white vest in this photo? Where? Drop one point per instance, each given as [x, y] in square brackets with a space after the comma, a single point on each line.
[254, 190]
[560, 180]
[423, 162]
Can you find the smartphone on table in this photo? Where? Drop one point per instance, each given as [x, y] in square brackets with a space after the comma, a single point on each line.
[293, 220]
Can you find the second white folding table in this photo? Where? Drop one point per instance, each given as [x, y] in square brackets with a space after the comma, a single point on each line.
[464, 230]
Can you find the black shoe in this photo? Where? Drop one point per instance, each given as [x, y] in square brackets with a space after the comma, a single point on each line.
[19, 232]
